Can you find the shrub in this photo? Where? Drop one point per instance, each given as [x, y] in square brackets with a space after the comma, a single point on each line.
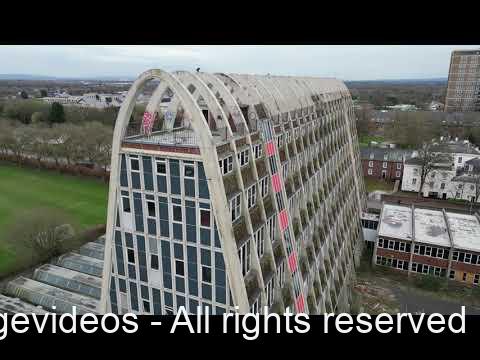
[429, 282]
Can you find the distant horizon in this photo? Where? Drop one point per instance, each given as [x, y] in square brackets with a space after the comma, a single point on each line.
[37, 77]
[344, 62]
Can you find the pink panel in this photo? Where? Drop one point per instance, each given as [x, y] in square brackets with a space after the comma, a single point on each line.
[283, 218]
[292, 261]
[270, 148]
[300, 303]
[277, 184]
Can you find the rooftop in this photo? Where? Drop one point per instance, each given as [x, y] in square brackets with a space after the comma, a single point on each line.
[396, 222]
[430, 227]
[465, 231]
[380, 153]
[177, 137]
[455, 148]
[370, 216]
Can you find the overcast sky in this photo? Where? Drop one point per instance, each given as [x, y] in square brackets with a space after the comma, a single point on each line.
[357, 62]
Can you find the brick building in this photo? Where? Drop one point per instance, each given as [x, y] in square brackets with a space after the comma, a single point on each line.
[383, 163]
[419, 240]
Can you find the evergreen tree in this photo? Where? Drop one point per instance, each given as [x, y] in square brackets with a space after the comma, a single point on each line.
[56, 114]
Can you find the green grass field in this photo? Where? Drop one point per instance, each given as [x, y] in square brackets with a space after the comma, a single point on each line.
[365, 140]
[84, 200]
[374, 184]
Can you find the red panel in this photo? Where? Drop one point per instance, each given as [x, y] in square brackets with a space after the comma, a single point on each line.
[283, 218]
[277, 183]
[300, 303]
[271, 148]
[292, 261]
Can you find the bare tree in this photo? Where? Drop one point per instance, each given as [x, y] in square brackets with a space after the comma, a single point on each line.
[97, 143]
[427, 160]
[40, 233]
[70, 141]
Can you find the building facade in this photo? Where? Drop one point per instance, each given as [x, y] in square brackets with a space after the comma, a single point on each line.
[383, 163]
[90, 100]
[463, 90]
[249, 196]
[419, 240]
[455, 177]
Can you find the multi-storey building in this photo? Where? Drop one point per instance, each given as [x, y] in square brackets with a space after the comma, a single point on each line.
[383, 163]
[463, 90]
[249, 195]
[452, 177]
[429, 241]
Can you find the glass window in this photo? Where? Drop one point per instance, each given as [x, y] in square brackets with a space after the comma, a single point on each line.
[177, 213]
[252, 195]
[189, 170]
[134, 164]
[205, 217]
[235, 207]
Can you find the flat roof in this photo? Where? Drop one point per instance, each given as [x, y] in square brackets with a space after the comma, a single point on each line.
[370, 216]
[177, 137]
[430, 227]
[396, 222]
[465, 231]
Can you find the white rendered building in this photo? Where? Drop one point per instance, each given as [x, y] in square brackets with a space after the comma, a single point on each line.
[248, 195]
[452, 178]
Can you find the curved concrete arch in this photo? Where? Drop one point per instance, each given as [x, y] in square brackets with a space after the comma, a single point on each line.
[226, 95]
[269, 101]
[290, 92]
[272, 88]
[209, 154]
[204, 92]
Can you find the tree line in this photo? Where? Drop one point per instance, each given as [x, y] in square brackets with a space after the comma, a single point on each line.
[32, 111]
[60, 146]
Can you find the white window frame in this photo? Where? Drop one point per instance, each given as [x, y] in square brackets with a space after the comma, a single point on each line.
[428, 251]
[281, 274]
[244, 256]
[264, 186]
[257, 150]
[226, 164]
[391, 245]
[252, 196]
[235, 207]
[163, 162]
[243, 157]
[259, 239]
[270, 292]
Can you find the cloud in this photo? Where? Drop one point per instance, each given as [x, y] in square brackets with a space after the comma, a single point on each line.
[356, 62]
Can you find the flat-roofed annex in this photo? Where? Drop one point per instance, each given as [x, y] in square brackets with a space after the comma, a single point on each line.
[465, 230]
[430, 227]
[396, 222]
